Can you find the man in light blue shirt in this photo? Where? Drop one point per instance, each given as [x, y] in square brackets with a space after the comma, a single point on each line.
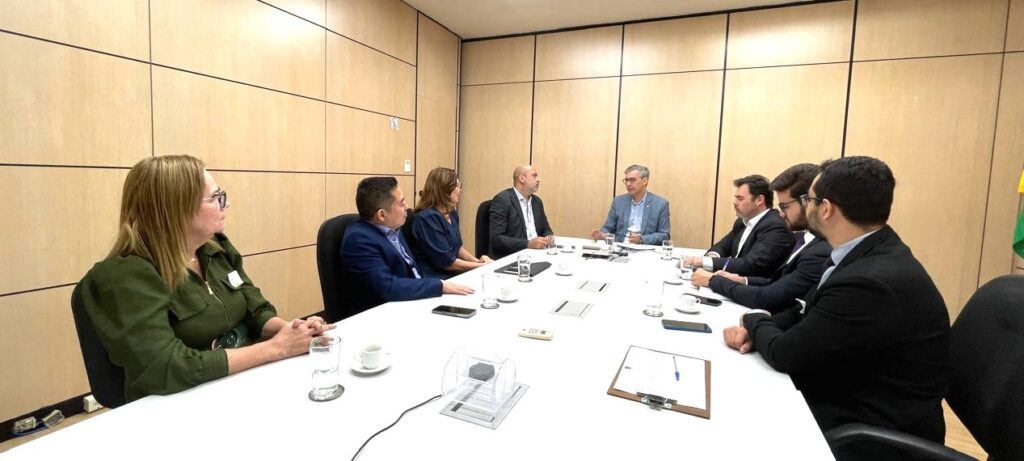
[638, 216]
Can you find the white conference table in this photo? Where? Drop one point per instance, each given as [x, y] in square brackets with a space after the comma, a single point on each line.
[566, 413]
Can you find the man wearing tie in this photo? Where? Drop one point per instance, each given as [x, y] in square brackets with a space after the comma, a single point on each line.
[517, 218]
[759, 241]
[638, 216]
[871, 343]
[377, 255]
[805, 264]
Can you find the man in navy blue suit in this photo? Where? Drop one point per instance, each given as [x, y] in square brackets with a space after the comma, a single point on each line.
[376, 254]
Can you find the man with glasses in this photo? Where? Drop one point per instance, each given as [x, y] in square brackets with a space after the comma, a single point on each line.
[805, 264]
[870, 344]
[759, 241]
[637, 216]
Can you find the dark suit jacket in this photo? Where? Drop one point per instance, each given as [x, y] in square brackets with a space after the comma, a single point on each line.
[378, 271]
[765, 249]
[790, 281]
[871, 345]
[508, 231]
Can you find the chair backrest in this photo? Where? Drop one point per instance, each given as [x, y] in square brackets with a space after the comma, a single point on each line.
[105, 379]
[410, 217]
[334, 279]
[483, 229]
[986, 389]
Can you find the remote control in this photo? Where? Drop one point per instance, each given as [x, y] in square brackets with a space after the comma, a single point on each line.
[536, 333]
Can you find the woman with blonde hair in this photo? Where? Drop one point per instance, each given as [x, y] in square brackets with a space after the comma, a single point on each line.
[438, 243]
[171, 303]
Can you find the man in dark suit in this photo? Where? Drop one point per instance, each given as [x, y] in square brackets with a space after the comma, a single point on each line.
[759, 241]
[870, 345]
[517, 216]
[377, 255]
[805, 264]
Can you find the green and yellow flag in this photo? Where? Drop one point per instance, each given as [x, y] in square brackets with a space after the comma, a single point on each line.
[1018, 236]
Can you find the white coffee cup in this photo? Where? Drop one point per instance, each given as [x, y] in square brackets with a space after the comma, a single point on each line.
[371, 356]
[689, 305]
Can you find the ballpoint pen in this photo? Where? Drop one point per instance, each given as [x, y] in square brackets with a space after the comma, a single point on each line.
[676, 365]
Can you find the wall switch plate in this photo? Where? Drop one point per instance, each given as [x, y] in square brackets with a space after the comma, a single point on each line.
[408, 166]
[394, 123]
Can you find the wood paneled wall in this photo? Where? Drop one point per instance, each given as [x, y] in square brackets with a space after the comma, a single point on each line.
[933, 87]
[289, 102]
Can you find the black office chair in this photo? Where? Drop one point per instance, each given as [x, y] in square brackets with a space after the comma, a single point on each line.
[105, 379]
[483, 229]
[986, 386]
[334, 279]
[410, 217]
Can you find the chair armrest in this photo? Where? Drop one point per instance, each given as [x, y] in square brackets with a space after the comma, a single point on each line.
[853, 433]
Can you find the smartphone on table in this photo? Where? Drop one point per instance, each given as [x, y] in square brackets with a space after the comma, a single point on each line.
[685, 326]
[461, 312]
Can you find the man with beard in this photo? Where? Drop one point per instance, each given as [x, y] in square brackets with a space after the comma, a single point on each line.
[759, 241]
[517, 218]
[870, 345]
[805, 264]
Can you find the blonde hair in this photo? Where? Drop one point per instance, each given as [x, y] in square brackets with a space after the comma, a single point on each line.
[437, 190]
[160, 197]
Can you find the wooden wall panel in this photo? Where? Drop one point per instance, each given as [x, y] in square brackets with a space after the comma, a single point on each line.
[574, 150]
[288, 279]
[1007, 164]
[889, 29]
[932, 121]
[61, 105]
[364, 142]
[240, 40]
[361, 77]
[669, 123]
[579, 54]
[438, 68]
[341, 193]
[66, 221]
[272, 211]
[494, 138]
[42, 363]
[386, 25]
[232, 126]
[677, 45]
[1015, 27]
[507, 60]
[120, 27]
[310, 10]
[805, 34]
[775, 118]
[435, 138]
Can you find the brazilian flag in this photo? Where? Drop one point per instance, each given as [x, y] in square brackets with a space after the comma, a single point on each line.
[1018, 237]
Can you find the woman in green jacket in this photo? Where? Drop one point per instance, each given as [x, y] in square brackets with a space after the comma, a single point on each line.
[171, 302]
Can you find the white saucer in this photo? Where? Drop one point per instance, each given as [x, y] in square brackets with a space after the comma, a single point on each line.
[674, 281]
[566, 250]
[357, 365]
[508, 300]
[563, 274]
[695, 310]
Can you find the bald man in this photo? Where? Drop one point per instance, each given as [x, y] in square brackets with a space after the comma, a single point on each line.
[517, 218]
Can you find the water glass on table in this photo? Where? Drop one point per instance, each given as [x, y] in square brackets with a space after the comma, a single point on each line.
[666, 249]
[523, 263]
[325, 353]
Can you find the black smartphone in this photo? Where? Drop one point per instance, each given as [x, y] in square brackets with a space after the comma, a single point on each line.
[461, 312]
[685, 326]
[706, 300]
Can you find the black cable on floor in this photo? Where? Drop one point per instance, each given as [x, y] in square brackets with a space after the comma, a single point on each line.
[360, 450]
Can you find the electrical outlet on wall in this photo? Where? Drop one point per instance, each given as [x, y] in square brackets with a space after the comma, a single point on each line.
[408, 166]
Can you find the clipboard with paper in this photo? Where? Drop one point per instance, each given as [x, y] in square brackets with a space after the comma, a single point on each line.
[650, 377]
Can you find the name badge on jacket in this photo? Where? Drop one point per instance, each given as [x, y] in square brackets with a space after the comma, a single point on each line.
[234, 280]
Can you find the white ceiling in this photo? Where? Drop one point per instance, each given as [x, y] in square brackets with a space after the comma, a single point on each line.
[489, 18]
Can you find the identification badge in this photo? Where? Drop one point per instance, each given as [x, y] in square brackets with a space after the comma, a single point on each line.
[234, 279]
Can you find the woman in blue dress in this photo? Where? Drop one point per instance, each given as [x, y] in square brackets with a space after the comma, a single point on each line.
[437, 244]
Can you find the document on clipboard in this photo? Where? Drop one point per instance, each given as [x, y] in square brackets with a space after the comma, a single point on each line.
[663, 380]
